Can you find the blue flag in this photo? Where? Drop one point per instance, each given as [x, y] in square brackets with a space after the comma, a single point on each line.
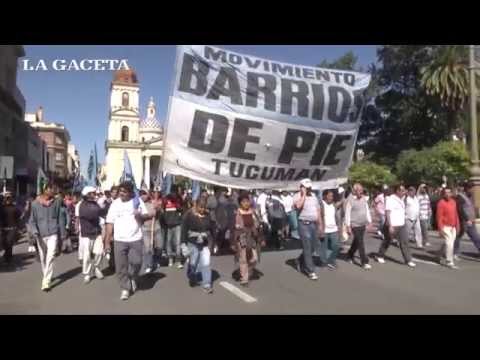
[167, 184]
[127, 175]
[95, 166]
[90, 169]
[195, 190]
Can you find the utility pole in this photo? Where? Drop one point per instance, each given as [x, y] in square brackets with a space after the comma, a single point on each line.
[475, 168]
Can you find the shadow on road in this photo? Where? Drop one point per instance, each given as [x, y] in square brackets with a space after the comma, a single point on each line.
[256, 274]
[292, 263]
[108, 272]
[19, 263]
[470, 256]
[426, 257]
[70, 274]
[148, 281]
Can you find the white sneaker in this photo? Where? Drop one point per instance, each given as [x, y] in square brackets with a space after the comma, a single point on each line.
[379, 233]
[170, 262]
[313, 276]
[215, 250]
[451, 265]
[367, 267]
[427, 244]
[148, 270]
[456, 257]
[179, 265]
[412, 264]
[45, 285]
[124, 295]
[98, 274]
[381, 260]
[31, 249]
[87, 279]
[134, 286]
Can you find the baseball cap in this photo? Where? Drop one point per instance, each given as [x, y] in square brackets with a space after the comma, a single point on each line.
[306, 183]
[88, 189]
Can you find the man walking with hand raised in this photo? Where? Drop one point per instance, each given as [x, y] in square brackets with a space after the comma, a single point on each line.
[310, 226]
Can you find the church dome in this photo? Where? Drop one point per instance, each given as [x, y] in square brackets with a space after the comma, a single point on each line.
[124, 76]
[151, 122]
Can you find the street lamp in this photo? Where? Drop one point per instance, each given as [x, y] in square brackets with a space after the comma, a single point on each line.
[475, 168]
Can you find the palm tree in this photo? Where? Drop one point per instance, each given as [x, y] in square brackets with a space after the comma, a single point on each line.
[447, 78]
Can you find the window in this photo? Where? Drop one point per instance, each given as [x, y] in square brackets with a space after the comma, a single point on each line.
[125, 99]
[58, 156]
[124, 133]
[58, 140]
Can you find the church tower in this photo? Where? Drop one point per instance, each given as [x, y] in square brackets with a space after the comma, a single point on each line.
[124, 108]
[123, 127]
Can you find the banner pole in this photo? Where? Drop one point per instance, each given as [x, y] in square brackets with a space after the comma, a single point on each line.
[169, 108]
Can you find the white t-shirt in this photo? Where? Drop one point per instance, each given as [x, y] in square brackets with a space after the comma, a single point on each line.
[412, 210]
[329, 218]
[77, 213]
[287, 203]
[261, 203]
[396, 206]
[125, 227]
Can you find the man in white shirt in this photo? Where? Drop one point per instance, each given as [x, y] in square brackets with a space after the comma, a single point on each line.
[412, 217]
[395, 217]
[81, 242]
[124, 220]
[261, 206]
[330, 231]
[291, 224]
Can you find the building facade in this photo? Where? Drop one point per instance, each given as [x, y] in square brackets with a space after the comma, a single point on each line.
[13, 135]
[141, 139]
[57, 139]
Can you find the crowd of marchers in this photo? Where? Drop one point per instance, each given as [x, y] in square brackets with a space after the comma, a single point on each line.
[128, 231]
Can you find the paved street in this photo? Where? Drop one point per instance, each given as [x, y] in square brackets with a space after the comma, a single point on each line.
[391, 288]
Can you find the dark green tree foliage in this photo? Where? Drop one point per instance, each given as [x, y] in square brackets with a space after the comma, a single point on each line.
[370, 175]
[449, 158]
[411, 117]
[348, 61]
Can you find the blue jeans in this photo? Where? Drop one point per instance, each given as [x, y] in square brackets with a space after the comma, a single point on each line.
[293, 220]
[173, 241]
[199, 263]
[309, 236]
[472, 234]
[329, 240]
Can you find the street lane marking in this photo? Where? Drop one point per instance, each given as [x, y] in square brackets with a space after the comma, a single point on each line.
[425, 261]
[236, 291]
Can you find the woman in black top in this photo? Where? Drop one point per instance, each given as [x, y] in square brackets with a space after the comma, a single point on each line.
[197, 233]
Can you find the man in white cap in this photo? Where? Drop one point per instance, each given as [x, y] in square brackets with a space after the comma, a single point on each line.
[310, 226]
[91, 234]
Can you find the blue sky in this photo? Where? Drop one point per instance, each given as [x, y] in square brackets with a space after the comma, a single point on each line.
[80, 99]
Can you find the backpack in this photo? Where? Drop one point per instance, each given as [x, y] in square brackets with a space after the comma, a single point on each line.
[275, 209]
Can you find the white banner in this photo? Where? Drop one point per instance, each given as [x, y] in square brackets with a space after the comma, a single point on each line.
[244, 122]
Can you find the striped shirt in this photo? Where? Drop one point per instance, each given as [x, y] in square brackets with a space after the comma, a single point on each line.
[425, 207]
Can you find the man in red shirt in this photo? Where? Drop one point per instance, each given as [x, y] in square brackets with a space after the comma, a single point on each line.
[448, 224]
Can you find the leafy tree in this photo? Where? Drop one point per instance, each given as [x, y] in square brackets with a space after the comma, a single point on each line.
[348, 61]
[447, 78]
[370, 175]
[411, 119]
[448, 158]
